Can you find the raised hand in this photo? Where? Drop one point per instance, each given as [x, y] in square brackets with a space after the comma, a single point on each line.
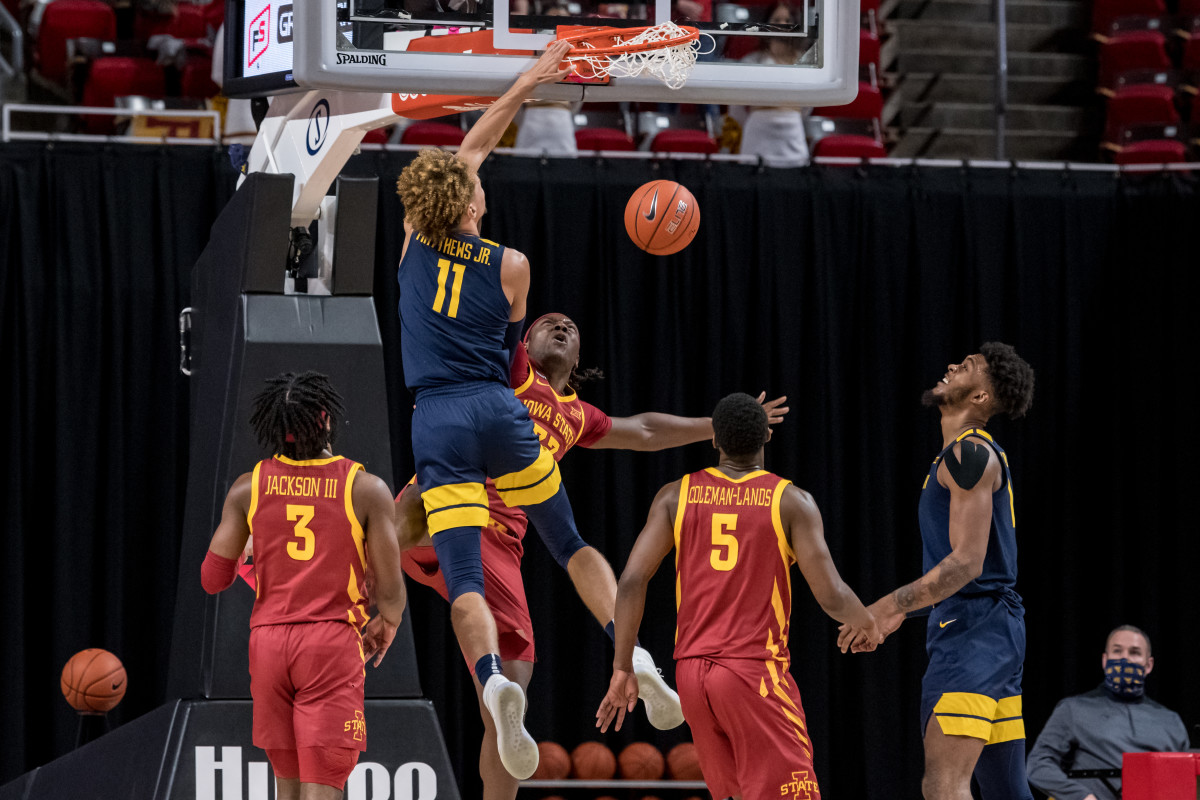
[621, 697]
[774, 408]
[548, 68]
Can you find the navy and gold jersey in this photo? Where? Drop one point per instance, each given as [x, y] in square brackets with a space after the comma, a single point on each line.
[999, 576]
[453, 312]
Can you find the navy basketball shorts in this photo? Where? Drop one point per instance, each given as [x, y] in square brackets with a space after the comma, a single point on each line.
[972, 687]
[465, 433]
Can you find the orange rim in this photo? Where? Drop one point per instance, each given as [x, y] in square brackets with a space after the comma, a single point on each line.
[690, 35]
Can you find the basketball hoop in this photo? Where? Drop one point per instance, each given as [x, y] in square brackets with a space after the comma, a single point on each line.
[666, 51]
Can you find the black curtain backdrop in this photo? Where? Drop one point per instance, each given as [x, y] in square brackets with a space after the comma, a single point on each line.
[847, 289]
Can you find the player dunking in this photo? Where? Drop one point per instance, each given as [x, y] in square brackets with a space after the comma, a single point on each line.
[316, 518]
[736, 530]
[543, 377]
[975, 636]
[462, 305]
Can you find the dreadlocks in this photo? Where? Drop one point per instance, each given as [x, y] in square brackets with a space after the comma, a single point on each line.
[290, 414]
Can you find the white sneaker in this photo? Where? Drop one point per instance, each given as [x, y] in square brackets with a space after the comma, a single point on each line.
[505, 701]
[662, 703]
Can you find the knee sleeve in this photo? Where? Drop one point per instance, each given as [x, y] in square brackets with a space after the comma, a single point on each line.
[556, 526]
[285, 763]
[329, 766]
[460, 560]
[1001, 771]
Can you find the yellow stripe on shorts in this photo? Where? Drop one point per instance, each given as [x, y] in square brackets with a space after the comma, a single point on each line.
[980, 717]
[535, 484]
[456, 505]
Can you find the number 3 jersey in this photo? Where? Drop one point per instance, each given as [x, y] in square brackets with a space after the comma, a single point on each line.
[309, 552]
[453, 312]
[733, 588]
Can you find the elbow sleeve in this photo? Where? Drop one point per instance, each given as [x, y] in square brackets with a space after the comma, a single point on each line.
[217, 572]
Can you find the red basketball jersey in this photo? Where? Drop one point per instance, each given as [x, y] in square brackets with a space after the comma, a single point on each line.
[308, 544]
[733, 587]
[560, 421]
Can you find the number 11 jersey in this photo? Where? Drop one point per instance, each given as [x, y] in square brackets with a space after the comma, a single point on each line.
[453, 312]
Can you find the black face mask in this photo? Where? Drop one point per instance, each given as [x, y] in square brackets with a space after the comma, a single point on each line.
[1124, 678]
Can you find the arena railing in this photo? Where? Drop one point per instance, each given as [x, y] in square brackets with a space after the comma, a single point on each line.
[8, 134]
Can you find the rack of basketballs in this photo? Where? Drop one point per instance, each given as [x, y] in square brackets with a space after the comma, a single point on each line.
[592, 771]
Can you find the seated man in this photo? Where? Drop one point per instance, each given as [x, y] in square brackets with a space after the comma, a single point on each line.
[1091, 731]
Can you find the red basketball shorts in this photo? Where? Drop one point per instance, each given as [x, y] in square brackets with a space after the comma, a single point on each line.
[748, 727]
[503, 589]
[306, 680]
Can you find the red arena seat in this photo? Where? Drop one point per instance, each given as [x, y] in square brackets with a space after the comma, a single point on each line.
[1132, 50]
[1105, 11]
[868, 49]
[867, 105]
[376, 136]
[849, 146]
[1139, 105]
[1152, 151]
[603, 139]
[195, 80]
[1190, 60]
[188, 23]
[436, 134]
[70, 19]
[682, 140]
[119, 76]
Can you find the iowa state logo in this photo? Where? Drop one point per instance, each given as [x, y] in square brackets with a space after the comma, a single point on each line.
[358, 726]
[800, 787]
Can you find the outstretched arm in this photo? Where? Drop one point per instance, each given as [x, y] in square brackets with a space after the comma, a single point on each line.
[653, 544]
[485, 133]
[654, 431]
[971, 471]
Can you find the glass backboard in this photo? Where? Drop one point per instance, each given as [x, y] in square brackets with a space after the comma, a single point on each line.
[802, 54]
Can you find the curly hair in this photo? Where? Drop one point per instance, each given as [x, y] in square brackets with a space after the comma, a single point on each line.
[436, 189]
[290, 414]
[739, 425]
[1011, 376]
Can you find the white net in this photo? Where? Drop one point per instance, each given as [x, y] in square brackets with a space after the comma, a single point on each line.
[671, 64]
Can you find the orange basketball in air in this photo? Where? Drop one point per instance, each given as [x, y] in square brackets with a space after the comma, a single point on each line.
[662, 217]
[93, 681]
[593, 761]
